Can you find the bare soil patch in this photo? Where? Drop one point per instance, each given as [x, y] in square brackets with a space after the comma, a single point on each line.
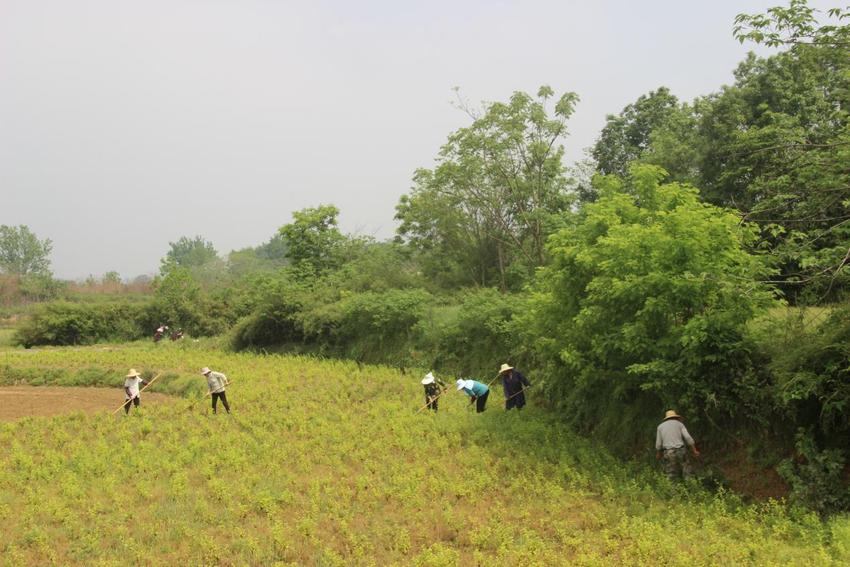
[25, 401]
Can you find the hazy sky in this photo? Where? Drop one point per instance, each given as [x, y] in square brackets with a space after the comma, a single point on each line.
[127, 124]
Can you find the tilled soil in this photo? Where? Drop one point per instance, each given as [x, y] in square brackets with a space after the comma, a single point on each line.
[25, 401]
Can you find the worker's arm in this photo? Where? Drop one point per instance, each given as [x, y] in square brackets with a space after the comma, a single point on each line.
[657, 443]
[524, 381]
[690, 441]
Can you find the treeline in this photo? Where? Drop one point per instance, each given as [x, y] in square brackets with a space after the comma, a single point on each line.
[696, 262]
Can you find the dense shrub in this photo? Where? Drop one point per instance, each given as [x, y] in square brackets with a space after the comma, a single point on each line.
[645, 307]
[474, 334]
[63, 323]
[381, 327]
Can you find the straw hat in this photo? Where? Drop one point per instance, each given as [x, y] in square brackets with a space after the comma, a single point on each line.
[461, 384]
[429, 379]
[671, 414]
[132, 373]
[505, 368]
[205, 370]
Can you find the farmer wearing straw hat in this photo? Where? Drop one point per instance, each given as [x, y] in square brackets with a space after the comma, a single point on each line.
[514, 384]
[216, 382]
[131, 389]
[670, 440]
[434, 388]
[476, 391]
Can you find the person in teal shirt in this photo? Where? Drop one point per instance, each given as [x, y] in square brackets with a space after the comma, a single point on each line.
[476, 391]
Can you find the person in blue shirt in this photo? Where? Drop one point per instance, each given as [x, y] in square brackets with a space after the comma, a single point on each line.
[476, 391]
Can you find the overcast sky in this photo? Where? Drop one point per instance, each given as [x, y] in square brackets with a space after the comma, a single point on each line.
[127, 124]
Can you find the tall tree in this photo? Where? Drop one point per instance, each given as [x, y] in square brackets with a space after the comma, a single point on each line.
[188, 253]
[487, 204]
[22, 253]
[312, 240]
[627, 136]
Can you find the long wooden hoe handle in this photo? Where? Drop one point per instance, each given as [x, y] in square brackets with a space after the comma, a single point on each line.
[140, 393]
[434, 399]
[518, 393]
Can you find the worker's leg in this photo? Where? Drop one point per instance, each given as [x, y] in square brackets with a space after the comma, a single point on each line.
[687, 466]
[670, 464]
[223, 397]
[520, 401]
[481, 402]
[127, 403]
[214, 402]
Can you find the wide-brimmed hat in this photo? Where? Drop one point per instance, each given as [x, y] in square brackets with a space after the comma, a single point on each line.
[132, 373]
[205, 370]
[505, 367]
[461, 384]
[671, 414]
[429, 379]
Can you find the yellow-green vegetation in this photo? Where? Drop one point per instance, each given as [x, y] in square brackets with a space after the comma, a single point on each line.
[323, 463]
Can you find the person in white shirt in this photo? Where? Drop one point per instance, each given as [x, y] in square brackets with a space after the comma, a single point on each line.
[216, 381]
[131, 389]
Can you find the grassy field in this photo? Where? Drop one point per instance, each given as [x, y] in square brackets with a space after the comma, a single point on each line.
[323, 463]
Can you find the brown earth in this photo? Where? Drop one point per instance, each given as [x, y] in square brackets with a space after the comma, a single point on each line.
[25, 401]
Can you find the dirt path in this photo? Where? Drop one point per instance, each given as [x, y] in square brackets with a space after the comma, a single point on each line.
[23, 401]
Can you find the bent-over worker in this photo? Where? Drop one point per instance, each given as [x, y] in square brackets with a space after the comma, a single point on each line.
[476, 391]
[671, 437]
[131, 389]
[216, 381]
[434, 387]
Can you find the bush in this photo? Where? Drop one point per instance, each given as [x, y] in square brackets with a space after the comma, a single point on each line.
[645, 306]
[63, 323]
[816, 476]
[380, 327]
[473, 337]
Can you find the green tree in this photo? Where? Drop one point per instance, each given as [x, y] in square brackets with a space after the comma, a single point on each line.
[188, 253]
[644, 305]
[312, 240]
[22, 253]
[626, 136]
[485, 209]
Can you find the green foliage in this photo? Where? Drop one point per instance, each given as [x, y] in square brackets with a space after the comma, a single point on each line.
[627, 136]
[474, 335]
[645, 305]
[487, 204]
[379, 327]
[188, 253]
[64, 323]
[773, 145]
[816, 476]
[312, 239]
[22, 253]
[180, 302]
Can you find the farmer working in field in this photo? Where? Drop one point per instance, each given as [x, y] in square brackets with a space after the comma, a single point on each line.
[434, 388]
[476, 391]
[670, 440]
[216, 382]
[131, 389]
[514, 384]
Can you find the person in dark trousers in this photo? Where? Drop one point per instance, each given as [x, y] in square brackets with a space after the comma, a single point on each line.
[131, 389]
[514, 384]
[434, 388]
[217, 383]
[476, 391]
[671, 439]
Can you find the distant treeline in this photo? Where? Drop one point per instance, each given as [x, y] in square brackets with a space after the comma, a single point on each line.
[696, 262]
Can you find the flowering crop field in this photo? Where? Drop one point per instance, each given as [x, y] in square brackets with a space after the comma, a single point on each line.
[323, 463]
